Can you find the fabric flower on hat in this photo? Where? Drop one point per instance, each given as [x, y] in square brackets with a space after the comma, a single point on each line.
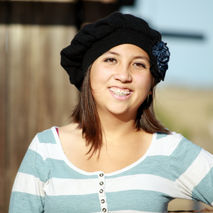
[162, 54]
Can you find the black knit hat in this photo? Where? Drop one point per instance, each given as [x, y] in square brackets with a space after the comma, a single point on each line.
[97, 38]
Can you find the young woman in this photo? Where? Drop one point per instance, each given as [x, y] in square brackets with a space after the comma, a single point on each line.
[114, 156]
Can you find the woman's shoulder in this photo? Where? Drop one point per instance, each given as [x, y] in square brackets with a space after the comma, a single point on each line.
[49, 135]
[71, 128]
[168, 138]
[70, 132]
[57, 135]
[44, 142]
[46, 135]
[70, 135]
[172, 137]
[173, 142]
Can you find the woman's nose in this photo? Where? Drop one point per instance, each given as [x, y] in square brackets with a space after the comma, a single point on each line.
[123, 74]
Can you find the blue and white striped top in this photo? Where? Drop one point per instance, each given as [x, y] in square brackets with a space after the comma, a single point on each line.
[173, 167]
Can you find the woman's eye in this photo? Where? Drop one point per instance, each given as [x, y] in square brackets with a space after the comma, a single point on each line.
[140, 65]
[110, 60]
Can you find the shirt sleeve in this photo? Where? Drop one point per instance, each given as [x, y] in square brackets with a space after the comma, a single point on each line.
[193, 168]
[27, 192]
[203, 178]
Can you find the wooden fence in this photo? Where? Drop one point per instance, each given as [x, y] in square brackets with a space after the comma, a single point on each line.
[35, 91]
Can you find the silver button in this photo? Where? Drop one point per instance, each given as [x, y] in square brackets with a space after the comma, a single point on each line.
[101, 174]
[101, 191]
[102, 201]
[104, 210]
[101, 183]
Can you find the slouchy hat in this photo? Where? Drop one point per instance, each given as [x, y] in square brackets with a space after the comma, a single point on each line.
[97, 38]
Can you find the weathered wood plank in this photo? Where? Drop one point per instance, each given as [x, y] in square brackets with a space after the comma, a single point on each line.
[3, 110]
[39, 93]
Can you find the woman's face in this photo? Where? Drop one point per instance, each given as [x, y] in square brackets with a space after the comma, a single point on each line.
[121, 80]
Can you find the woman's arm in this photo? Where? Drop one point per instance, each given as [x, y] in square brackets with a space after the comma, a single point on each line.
[193, 168]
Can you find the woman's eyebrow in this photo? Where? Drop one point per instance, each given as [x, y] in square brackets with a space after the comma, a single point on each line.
[141, 57]
[111, 52]
[134, 57]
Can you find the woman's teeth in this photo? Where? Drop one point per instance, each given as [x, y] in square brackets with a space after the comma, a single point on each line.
[120, 92]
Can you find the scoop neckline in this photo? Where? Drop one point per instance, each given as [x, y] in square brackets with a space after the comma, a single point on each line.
[83, 172]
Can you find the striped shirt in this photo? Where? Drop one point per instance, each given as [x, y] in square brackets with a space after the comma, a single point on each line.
[172, 167]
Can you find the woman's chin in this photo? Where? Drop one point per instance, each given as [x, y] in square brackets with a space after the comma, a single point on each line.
[120, 112]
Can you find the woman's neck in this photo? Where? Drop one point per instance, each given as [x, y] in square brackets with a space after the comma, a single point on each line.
[115, 127]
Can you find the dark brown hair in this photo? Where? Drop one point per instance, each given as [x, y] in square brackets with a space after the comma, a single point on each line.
[86, 115]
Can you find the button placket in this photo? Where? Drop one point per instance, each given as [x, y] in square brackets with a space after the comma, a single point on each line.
[101, 192]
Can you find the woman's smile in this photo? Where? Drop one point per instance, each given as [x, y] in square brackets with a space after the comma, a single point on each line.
[120, 93]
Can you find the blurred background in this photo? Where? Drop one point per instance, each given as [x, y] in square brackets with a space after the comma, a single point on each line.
[35, 93]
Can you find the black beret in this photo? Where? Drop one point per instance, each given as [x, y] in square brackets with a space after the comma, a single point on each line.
[97, 38]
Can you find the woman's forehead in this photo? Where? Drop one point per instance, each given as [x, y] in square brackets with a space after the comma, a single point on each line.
[128, 50]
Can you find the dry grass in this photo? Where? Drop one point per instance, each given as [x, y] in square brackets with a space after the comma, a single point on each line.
[189, 112]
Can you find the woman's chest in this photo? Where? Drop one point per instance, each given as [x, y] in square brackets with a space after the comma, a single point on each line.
[101, 193]
[108, 159]
[112, 156]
